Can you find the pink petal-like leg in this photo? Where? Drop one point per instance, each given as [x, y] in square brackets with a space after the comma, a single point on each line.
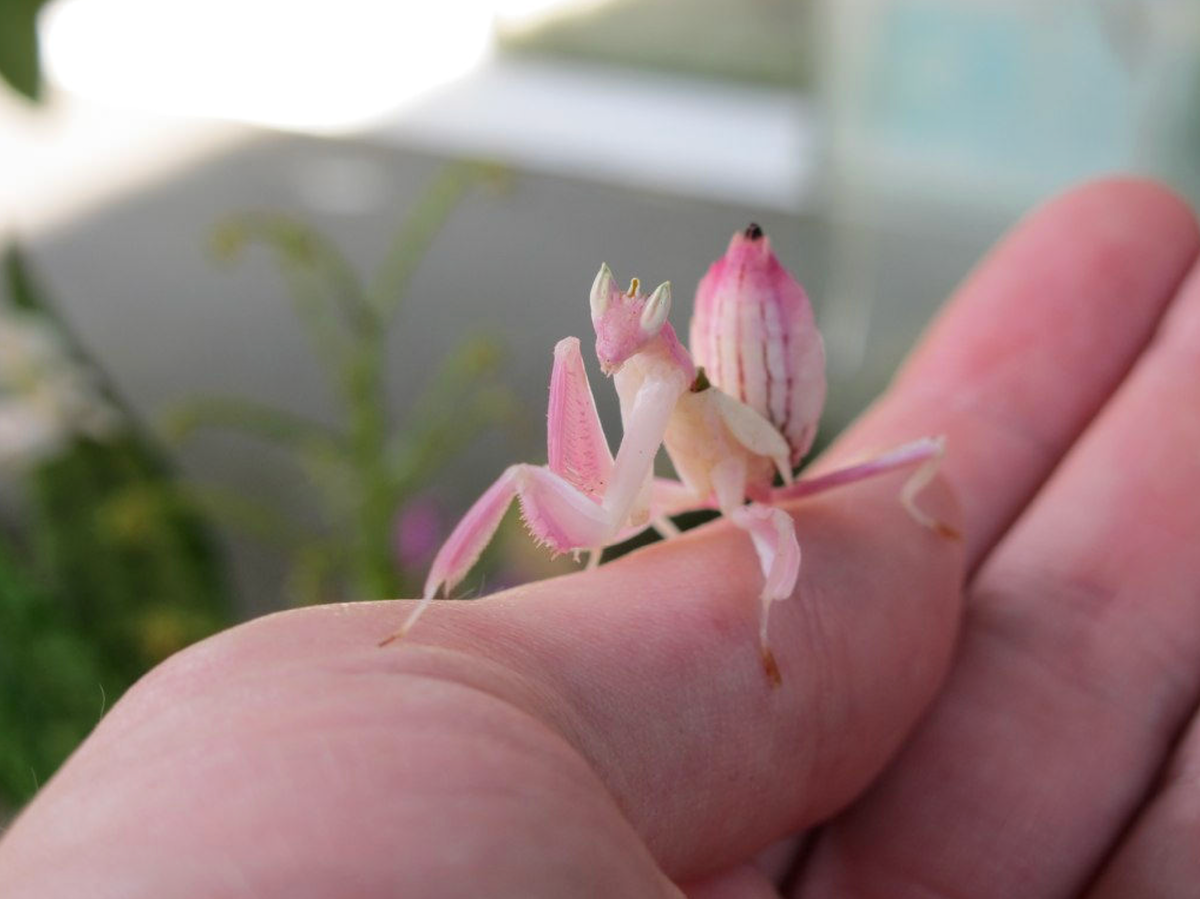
[576, 447]
[774, 536]
[925, 452]
[555, 510]
[464, 546]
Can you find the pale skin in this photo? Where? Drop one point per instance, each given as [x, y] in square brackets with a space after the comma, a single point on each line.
[606, 734]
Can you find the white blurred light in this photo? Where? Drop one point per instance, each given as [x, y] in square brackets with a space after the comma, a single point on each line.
[323, 65]
[524, 12]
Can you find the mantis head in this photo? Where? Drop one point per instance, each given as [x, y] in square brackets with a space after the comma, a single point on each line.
[625, 321]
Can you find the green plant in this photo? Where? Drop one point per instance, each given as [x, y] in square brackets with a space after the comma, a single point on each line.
[106, 577]
[19, 59]
[365, 469]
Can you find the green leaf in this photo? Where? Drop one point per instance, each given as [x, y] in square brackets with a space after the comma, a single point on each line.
[266, 422]
[121, 567]
[51, 683]
[316, 270]
[141, 583]
[241, 513]
[25, 292]
[18, 282]
[412, 241]
[19, 62]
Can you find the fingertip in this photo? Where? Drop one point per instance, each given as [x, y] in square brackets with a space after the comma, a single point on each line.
[1131, 200]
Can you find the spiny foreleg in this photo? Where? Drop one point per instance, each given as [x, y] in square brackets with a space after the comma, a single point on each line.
[555, 511]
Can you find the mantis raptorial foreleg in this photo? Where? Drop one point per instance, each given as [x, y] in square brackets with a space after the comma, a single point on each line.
[557, 512]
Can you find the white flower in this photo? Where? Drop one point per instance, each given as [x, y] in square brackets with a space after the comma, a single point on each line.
[46, 396]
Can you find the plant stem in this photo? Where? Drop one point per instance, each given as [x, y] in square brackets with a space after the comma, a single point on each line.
[373, 567]
[373, 570]
[411, 242]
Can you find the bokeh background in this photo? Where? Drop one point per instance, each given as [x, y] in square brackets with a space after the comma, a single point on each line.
[281, 279]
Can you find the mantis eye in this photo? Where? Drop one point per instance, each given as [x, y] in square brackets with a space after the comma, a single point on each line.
[658, 306]
[602, 289]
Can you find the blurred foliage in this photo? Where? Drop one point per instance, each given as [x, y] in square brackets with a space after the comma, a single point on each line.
[366, 469]
[756, 41]
[52, 677]
[90, 595]
[19, 63]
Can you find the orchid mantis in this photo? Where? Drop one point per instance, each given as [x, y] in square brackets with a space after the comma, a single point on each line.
[740, 410]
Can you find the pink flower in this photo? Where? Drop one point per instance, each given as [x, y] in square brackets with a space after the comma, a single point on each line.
[418, 532]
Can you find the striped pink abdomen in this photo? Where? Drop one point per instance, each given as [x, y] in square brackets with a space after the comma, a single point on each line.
[754, 333]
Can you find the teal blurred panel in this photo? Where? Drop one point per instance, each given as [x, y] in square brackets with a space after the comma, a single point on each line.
[985, 85]
[1005, 102]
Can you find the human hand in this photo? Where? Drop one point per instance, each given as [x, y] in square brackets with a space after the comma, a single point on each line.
[612, 733]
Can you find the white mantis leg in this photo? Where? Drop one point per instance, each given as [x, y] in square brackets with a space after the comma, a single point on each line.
[665, 527]
[645, 426]
[774, 536]
[667, 497]
[578, 450]
[661, 523]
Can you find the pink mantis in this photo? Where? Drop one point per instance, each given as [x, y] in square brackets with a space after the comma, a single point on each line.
[742, 410]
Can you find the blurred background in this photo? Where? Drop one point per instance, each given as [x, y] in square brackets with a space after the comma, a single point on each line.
[281, 279]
